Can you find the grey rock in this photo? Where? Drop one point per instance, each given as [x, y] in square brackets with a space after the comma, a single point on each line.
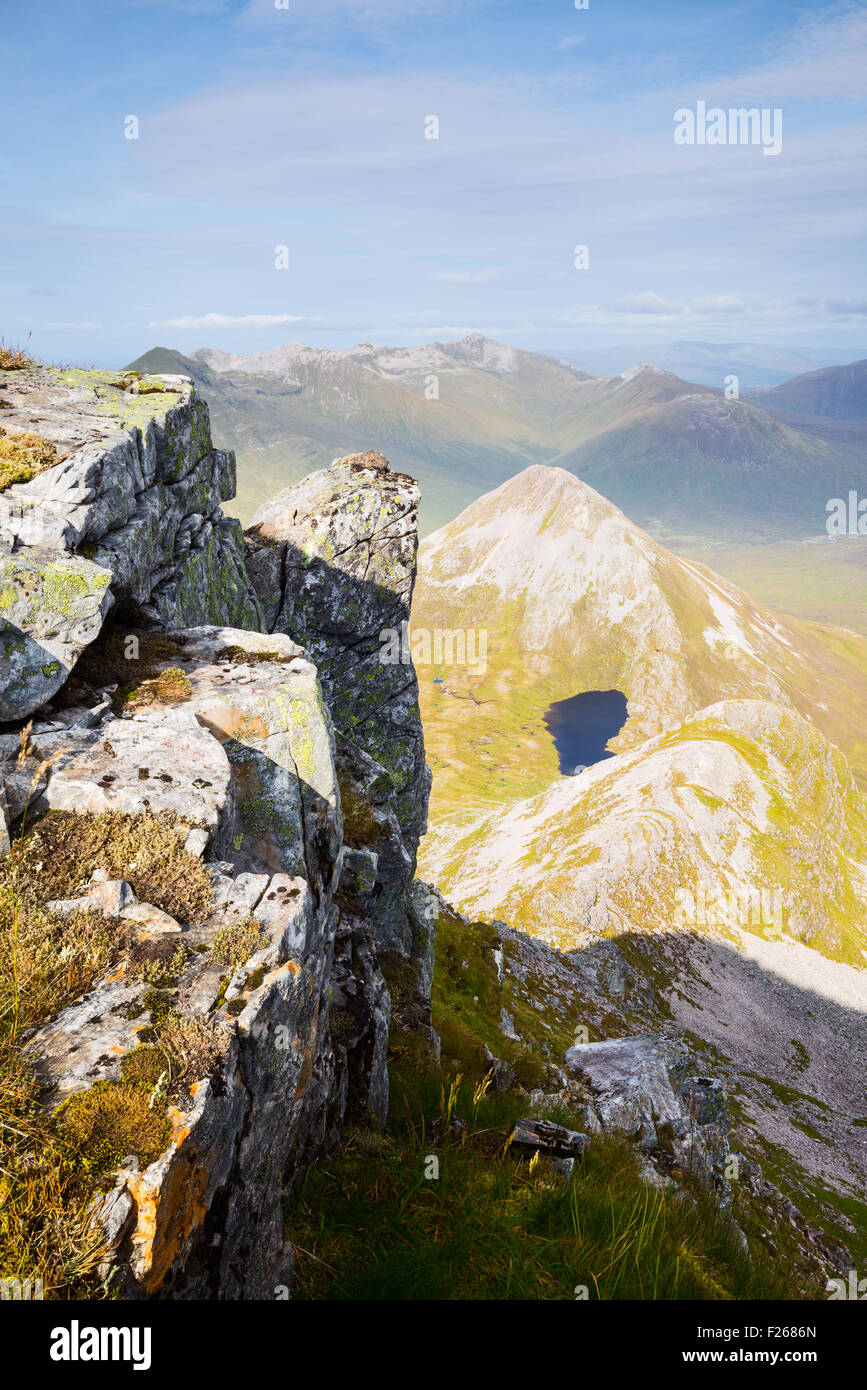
[333, 560]
[52, 605]
[530, 1136]
[150, 920]
[139, 494]
[109, 897]
[632, 1090]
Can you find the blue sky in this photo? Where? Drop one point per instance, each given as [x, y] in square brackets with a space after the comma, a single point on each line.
[304, 127]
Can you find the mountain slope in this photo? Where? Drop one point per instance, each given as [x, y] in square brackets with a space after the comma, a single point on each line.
[294, 409]
[572, 596]
[742, 819]
[463, 417]
[834, 393]
[723, 849]
[726, 862]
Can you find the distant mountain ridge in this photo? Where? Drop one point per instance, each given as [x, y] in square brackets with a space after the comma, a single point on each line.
[755, 364]
[678, 457]
[833, 393]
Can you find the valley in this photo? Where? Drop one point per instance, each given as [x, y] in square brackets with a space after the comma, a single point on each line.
[681, 459]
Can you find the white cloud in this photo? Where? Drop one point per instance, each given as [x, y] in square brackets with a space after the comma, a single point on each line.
[71, 327]
[704, 306]
[465, 277]
[634, 310]
[824, 59]
[230, 321]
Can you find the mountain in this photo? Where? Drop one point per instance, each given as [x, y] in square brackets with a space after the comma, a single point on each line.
[721, 851]
[754, 364]
[680, 459]
[834, 393]
[295, 408]
[572, 596]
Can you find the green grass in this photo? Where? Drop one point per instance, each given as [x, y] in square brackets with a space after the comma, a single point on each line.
[370, 1223]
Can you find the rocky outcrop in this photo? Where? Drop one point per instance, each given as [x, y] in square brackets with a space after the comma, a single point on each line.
[641, 1088]
[246, 763]
[128, 514]
[303, 791]
[333, 561]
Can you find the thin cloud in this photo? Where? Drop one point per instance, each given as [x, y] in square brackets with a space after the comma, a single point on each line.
[215, 321]
[465, 277]
[635, 310]
[69, 327]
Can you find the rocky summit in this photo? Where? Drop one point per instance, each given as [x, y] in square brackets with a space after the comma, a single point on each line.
[239, 1036]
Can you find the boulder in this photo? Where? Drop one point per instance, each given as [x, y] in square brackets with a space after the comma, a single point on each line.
[52, 605]
[631, 1086]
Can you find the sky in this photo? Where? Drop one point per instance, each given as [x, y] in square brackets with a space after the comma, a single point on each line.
[283, 185]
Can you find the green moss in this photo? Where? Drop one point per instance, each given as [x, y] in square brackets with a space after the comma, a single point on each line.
[112, 660]
[239, 656]
[110, 1122]
[143, 1067]
[23, 456]
[159, 963]
[235, 942]
[360, 826]
[171, 686]
[160, 1004]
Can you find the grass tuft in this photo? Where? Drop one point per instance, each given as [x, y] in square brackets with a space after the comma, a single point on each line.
[145, 849]
[23, 456]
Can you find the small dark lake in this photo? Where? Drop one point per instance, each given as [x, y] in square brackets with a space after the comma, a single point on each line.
[582, 725]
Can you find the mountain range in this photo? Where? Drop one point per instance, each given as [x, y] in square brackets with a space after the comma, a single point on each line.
[679, 458]
[755, 364]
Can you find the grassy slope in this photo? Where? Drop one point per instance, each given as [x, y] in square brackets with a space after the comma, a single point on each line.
[819, 581]
[369, 1223]
[790, 809]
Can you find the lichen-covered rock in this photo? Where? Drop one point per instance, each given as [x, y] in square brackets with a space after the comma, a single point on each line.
[136, 491]
[309, 850]
[248, 756]
[161, 760]
[333, 560]
[641, 1087]
[51, 606]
